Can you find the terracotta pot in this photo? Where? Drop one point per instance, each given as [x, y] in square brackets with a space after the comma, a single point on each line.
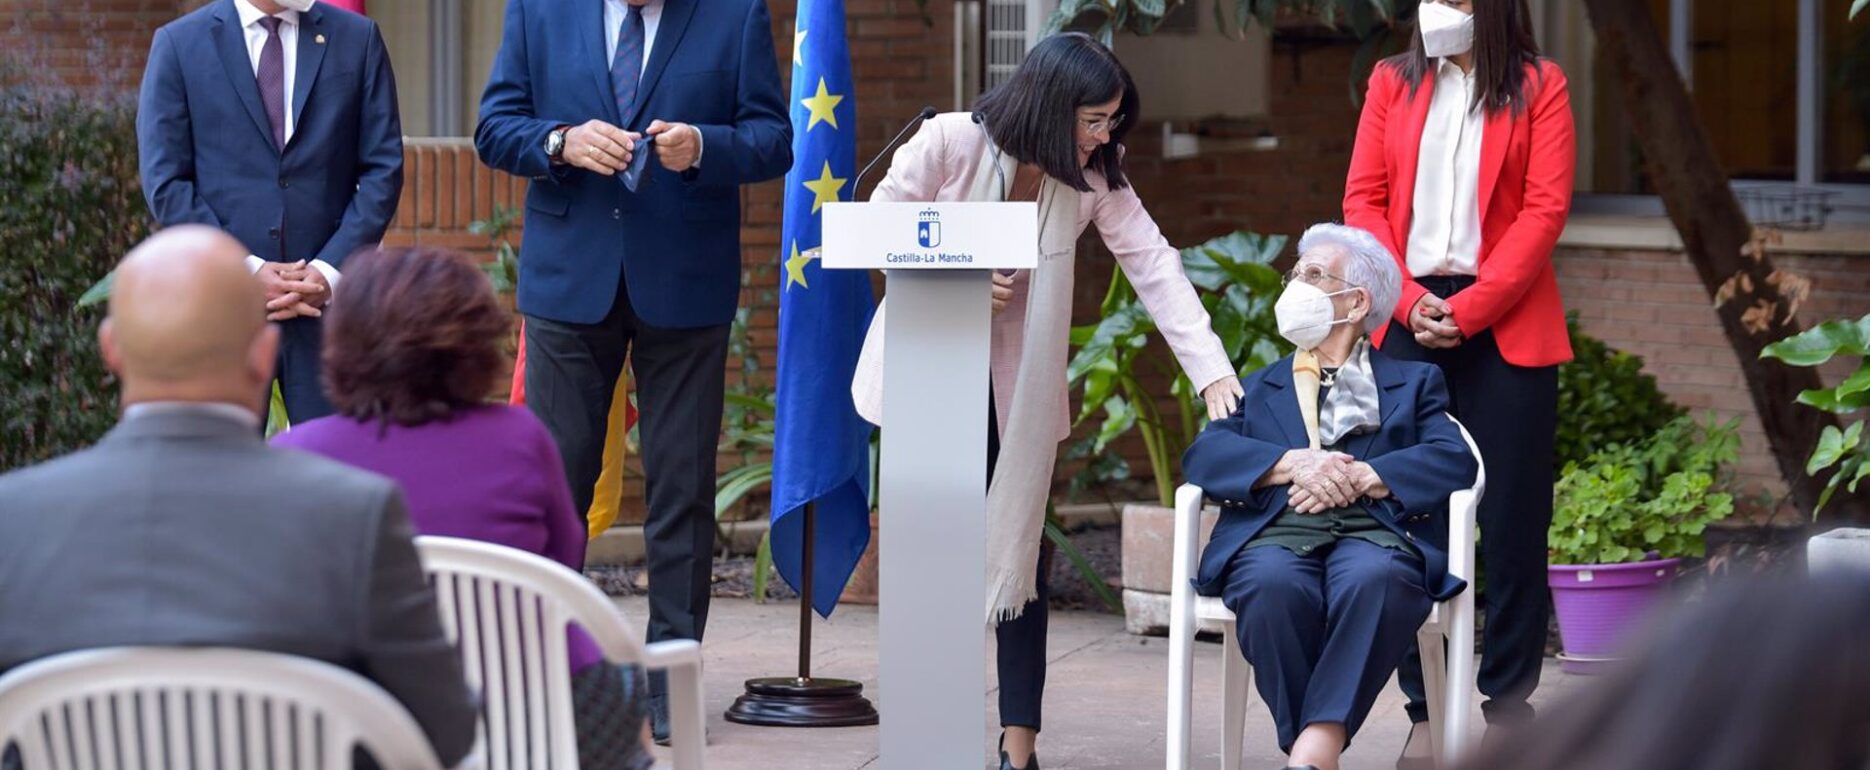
[862, 588]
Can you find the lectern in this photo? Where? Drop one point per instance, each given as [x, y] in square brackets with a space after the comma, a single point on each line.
[932, 607]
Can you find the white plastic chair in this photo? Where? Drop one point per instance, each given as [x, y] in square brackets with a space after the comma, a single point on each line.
[179, 708]
[1451, 621]
[507, 609]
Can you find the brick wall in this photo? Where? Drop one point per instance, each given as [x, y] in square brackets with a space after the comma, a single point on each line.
[1650, 303]
[87, 42]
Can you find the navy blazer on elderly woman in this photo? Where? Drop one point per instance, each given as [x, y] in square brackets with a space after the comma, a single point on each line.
[1417, 450]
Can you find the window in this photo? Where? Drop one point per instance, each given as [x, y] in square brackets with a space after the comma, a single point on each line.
[1782, 87]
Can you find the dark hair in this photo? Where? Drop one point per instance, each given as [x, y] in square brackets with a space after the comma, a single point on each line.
[412, 335]
[1033, 116]
[1503, 46]
[1762, 672]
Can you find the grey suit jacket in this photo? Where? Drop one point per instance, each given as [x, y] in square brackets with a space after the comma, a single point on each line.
[184, 528]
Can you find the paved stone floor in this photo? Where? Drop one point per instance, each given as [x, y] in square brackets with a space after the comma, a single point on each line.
[1105, 701]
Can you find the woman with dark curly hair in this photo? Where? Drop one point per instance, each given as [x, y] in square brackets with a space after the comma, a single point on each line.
[412, 351]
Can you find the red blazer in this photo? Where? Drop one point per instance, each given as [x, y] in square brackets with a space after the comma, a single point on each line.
[1526, 166]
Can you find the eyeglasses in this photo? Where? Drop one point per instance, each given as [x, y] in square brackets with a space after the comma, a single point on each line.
[1312, 274]
[1101, 125]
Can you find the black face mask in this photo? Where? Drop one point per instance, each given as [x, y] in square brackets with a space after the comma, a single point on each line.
[639, 161]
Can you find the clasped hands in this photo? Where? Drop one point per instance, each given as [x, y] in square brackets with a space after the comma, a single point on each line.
[1322, 480]
[1432, 321]
[293, 290]
[602, 148]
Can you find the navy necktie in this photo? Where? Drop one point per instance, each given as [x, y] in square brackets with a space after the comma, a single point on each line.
[272, 79]
[627, 68]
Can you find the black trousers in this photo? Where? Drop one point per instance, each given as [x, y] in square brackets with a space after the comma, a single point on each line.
[299, 372]
[1512, 412]
[571, 374]
[1020, 643]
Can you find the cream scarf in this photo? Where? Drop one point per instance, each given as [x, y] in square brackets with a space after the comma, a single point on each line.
[1351, 406]
[1022, 479]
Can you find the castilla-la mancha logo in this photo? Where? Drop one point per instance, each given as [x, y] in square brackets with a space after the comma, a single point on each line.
[928, 229]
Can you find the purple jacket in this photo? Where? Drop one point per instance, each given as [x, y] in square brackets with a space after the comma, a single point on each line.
[489, 473]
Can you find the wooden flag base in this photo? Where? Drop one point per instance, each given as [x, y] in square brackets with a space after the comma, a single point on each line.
[797, 702]
[803, 700]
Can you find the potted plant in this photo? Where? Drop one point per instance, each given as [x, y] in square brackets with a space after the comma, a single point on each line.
[1622, 522]
[1121, 375]
[1845, 452]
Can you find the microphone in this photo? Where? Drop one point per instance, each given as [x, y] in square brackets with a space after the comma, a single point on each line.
[981, 120]
[925, 114]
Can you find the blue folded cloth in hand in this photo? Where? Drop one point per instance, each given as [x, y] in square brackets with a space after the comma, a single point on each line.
[639, 162]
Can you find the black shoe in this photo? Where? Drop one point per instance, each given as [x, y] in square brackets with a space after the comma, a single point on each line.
[1032, 762]
[659, 719]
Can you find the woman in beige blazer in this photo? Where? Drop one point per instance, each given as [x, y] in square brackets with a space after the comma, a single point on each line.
[1053, 134]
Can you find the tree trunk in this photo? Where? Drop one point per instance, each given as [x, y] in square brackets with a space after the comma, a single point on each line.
[1759, 301]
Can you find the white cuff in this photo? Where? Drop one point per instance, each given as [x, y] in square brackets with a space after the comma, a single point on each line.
[330, 273]
[255, 263]
[701, 146]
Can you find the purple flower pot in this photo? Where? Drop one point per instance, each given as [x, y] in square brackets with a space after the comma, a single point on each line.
[1597, 604]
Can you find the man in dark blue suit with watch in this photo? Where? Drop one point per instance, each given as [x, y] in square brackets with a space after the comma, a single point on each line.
[648, 266]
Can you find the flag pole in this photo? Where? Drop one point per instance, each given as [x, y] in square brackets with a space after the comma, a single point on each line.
[803, 700]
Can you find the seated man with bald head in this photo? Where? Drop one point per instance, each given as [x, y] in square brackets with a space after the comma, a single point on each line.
[181, 527]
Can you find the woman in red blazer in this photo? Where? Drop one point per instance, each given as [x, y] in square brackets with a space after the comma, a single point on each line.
[1463, 168]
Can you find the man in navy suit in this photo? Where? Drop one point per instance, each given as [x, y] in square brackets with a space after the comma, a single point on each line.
[1332, 540]
[637, 120]
[276, 121]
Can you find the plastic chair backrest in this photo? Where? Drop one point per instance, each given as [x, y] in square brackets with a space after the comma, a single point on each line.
[507, 610]
[145, 708]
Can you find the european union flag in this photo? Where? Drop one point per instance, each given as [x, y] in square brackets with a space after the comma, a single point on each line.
[821, 448]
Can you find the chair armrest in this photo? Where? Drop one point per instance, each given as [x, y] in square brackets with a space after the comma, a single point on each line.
[1188, 500]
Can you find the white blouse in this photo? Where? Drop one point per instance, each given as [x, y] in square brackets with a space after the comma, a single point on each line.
[1444, 233]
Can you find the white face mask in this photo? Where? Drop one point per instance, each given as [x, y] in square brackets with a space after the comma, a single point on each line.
[1305, 314]
[1445, 31]
[296, 5]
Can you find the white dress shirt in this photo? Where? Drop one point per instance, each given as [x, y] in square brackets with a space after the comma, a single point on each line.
[256, 42]
[614, 11]
[1444, 233]
[289, 43]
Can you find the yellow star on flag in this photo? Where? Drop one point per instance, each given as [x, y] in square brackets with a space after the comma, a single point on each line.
[825, 188]
[823, 106]
[798, 47]
[795, 266]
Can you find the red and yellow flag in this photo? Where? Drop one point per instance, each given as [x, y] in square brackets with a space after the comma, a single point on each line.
[607, 500]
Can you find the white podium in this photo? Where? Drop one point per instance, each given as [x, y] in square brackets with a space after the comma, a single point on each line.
[932, 607]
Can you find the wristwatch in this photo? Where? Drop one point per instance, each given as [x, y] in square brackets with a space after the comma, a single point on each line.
[555, 144]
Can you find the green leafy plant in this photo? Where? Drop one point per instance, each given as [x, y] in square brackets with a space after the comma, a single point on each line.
[1237, 285]
[70, 207]
[1604, 398]
[503, 268]
[1844, 450]
[1650, 499]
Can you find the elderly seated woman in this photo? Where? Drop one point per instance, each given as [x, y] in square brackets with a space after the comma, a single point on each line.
[1333, 479]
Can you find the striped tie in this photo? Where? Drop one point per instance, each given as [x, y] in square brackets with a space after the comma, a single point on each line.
[272, 79]
[627, 68]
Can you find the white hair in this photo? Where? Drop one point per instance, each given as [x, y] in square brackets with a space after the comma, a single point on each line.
[1368, 266]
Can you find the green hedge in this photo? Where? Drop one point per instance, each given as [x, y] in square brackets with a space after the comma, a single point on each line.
[70, 207]
[1605, 398]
